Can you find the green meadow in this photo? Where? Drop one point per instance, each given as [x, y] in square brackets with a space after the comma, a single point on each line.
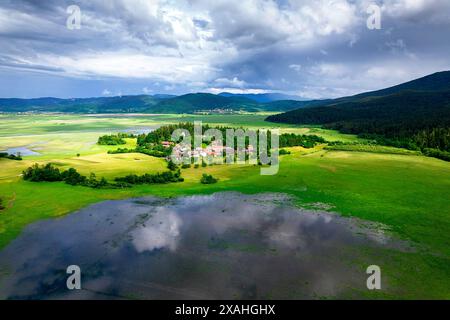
[406, 192]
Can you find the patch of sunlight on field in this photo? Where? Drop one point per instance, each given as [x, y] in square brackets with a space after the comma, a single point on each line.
[397, 160]
[13, 124]
[61, 144]
[223, 172]
[102, 164]
[10, 170]
[114, 165]
[329, 135]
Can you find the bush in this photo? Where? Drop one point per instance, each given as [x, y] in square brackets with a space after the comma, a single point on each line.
[71, 176]
[172, 166]
[111, 140]
[185, 166]
[47, 172]
[283, 152]
[121, 150]
[294, 140]
[158, 178]
[154, 152]
[208, 179]
[435, 153]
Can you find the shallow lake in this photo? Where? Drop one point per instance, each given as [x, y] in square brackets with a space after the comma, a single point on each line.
[23, 151]
[221, 246]
[140, 130]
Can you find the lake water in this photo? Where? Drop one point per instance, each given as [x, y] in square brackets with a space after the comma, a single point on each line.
[23, 151]
[140, 130]
[221, 246]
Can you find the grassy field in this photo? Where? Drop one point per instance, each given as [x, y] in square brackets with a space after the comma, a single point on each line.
[372, 149]
[408, 193]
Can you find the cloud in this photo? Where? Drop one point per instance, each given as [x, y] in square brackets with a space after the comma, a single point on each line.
[234, 83]
[291, 46]
[236, 91]
[296, 67]
[162, 232]
[146, 90]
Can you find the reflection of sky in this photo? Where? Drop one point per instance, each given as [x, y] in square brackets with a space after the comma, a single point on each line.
[161, 231]
[222, 246]
[23, 151]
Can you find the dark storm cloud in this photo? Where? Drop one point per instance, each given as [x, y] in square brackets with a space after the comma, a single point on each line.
[311, 48]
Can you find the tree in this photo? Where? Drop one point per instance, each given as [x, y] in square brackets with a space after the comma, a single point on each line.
[208, 179]
[172, 166]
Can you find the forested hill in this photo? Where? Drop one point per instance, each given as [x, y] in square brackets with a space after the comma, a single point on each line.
[415, 114]
[82, 105]
[193, 102]
[188, 103]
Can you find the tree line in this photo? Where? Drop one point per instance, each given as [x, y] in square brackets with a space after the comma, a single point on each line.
[150, 144]
[158, 178]
[10, 156]
[412, 120]
[295, 140]
[164, 133]
[114, 139]
[49, 173]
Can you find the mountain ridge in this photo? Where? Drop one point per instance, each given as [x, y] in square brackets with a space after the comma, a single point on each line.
[158, 103]
[415, 114]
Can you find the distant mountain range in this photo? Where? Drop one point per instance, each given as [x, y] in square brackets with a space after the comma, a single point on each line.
[81, 105]
[188, 103]
[263, 97]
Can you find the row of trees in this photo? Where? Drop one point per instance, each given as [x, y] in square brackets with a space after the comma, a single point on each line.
[435, 153]
[437, 137]
[157, 151]
[416, 120]
[164, 133]
[114, 139]
[50, 173]
[10, 156]
[295, 140]
[158, 178]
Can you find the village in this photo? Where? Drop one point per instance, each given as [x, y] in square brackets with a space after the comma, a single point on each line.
[183, 152]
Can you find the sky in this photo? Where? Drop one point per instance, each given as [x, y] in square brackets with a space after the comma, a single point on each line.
[310, 48]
